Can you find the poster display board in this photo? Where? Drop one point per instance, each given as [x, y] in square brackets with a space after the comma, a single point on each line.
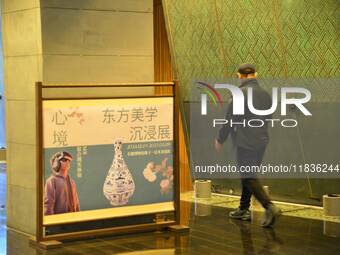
[105, 154]
[105, 158]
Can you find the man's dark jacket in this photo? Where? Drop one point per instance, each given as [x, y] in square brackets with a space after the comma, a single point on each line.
[251, 138]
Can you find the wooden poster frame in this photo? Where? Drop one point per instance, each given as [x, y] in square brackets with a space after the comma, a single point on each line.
[43, 240]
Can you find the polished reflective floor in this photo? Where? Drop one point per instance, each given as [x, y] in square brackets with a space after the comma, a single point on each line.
[213, 233]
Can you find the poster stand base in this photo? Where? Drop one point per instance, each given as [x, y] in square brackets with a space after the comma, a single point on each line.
[54, 244]
[179, 228]
[46, 245]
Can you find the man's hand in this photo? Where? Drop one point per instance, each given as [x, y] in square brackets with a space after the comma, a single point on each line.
[218, 146]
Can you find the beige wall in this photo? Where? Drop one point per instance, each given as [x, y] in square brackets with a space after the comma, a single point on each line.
[62, 41]
[97, 41]
[22, 67]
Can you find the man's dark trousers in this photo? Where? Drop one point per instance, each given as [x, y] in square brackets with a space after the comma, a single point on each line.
[250, 183]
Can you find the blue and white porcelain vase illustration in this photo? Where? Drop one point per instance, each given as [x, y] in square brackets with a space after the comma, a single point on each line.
[119, 185]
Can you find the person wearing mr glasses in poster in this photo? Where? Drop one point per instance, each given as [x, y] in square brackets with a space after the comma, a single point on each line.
[60, 190]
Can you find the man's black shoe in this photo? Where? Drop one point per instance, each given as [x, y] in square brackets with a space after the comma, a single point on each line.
[242, 214]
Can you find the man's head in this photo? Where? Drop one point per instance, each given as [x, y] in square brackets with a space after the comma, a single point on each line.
[246, 71]
[61, 161]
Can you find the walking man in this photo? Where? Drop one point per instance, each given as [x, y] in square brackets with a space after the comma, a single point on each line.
[251, 144]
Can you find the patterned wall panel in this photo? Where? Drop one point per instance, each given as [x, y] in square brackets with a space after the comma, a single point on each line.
[284, 38]
[292, 43]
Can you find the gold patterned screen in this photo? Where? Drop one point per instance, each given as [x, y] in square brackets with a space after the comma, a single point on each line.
[288, 41]
[284, 38]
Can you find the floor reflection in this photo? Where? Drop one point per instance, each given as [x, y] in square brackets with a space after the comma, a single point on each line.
[211, 232]
[331, 229]
[202, 209]
[271, 243]
[151, 252]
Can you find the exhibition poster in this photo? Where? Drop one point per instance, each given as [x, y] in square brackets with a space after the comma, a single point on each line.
[102, 155]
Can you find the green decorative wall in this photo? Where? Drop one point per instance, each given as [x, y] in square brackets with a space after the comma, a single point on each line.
[286, 40]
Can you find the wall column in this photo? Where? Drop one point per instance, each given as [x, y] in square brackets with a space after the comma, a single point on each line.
[63, 42]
